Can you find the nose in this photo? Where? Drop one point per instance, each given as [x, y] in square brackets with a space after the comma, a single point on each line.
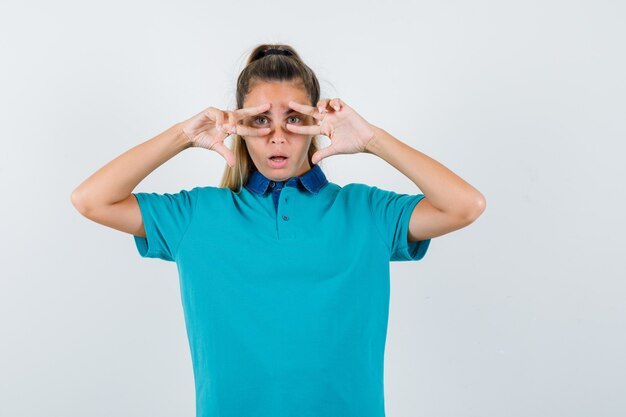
[278, 134]
[278, 139]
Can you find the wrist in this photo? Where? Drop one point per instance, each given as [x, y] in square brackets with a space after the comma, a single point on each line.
[376, 141]
[180, 137]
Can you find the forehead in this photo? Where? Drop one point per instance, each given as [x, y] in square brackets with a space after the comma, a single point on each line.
[277, 93]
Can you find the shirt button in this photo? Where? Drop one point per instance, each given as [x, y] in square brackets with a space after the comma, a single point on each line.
[285, 217]
[272, 183]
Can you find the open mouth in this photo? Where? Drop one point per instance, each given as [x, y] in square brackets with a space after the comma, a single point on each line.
[277, 161]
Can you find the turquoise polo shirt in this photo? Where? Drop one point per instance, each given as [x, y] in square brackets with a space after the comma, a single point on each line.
[285, 290]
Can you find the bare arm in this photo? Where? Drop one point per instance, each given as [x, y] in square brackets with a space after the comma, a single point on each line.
[450, 203]
[105, 197]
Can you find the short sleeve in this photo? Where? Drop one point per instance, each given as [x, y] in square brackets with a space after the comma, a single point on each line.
[392, 214]
[166, 218]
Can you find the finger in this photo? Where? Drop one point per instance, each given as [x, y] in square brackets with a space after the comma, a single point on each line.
[322, 105]
[229, 129]
[244, 130]
[219, 119]
[251, 111]
[335, 104]
[305, 129]
[223, 132]
[322, 153]
[211, 113]
[230, 126]
[308, 110]
[226, 153]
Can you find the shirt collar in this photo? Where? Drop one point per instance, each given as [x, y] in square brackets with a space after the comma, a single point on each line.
[312, 180]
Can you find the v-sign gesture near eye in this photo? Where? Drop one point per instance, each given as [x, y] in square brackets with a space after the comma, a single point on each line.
[347, 130]
[207, 128]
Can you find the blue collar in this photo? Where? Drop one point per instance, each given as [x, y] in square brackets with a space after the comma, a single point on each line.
[312, 180]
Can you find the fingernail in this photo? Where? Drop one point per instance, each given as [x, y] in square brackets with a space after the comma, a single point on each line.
[336, 108]
[320, 109]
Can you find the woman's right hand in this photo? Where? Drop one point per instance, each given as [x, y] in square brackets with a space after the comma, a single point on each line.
[208, 130]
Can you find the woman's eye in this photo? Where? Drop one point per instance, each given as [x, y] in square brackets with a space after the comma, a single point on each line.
[298, 119]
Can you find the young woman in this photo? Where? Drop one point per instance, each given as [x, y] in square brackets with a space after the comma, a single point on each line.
[284, 275]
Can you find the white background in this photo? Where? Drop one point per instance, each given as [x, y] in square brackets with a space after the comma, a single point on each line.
[519, 314]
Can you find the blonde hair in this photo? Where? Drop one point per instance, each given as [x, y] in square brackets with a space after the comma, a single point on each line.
[267, 68]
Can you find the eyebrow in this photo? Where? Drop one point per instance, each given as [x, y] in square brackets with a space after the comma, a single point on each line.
[267, 112]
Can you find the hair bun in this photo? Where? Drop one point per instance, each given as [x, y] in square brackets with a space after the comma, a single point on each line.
[273, 51]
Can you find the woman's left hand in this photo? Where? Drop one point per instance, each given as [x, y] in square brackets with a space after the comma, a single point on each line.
[347, 130]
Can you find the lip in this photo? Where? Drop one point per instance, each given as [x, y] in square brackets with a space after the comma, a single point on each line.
[278, 165]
